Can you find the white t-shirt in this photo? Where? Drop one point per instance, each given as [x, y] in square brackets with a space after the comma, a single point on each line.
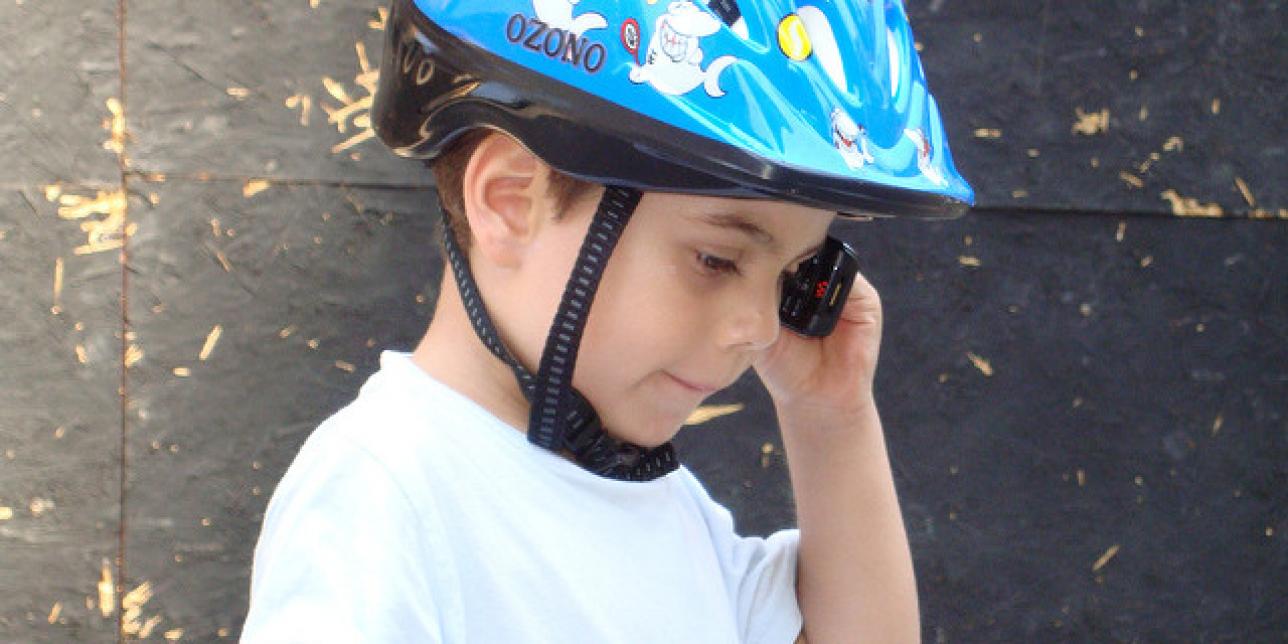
[415, 515]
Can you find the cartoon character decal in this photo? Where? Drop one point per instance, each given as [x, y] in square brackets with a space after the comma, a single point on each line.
[924, 153]
[673, 63]
[558, 15]
[851, 139]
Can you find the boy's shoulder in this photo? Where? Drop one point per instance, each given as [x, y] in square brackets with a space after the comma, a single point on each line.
[402, 416]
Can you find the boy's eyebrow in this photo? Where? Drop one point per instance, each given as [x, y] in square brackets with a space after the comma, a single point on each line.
[750, 228]
[743, 225]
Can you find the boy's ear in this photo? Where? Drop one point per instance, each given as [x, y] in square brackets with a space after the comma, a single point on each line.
[501, 192]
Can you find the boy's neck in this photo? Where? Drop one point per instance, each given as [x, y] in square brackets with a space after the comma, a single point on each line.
[452, 354]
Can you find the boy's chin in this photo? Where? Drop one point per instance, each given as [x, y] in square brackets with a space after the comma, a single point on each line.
[648, 435]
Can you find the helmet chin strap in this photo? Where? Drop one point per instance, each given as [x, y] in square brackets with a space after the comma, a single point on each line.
[561, 419]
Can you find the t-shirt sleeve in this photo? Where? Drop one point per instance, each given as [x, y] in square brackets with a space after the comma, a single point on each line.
[342, 555]
[759, 573]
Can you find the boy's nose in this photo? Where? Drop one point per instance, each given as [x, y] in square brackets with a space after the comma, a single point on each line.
[751, 324]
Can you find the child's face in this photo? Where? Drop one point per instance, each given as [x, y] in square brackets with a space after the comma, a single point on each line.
[688, 299]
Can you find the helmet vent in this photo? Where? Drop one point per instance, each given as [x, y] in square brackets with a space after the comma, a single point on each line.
[824, 44]
[731, 15]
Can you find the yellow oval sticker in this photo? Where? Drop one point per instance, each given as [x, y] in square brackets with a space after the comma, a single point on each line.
[793, 39]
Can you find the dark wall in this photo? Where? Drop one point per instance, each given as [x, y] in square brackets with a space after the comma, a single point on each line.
[1083, 383]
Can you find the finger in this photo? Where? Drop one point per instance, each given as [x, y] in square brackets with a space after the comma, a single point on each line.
[862, 302]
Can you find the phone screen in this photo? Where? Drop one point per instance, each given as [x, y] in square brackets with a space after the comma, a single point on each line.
[815, 294]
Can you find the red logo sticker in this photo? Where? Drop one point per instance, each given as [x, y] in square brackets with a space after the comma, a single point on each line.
[631, 38]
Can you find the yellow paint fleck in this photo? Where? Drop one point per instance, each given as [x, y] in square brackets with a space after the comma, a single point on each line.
[707, 413]
[212, 339]
[1095, 162]
[980, 363]
[1091, 123]
[988, 133]
[1133, 75]
[182, 372]
[238, 93]
[60, 432]
[305, 104]
[133, 354]
[1143, 113]
[39, 506]
[1270, 531]
[286, 331]
[313, 4]
[1174, 144]
[1104, 558]
[1019, 193]
[115, 125]
[106, 592]
[174, 634]
[1187, 207]
[205, 522]
[1131, 179]
[1082, 477]
[1140, 31]
[145, 631]
[1247, 194]
[967, 260]
[1033, 153]
[1216, 106]
[1217, 423]
[344, 366]
[351, 110]
[1121, 232]
[313, 343]
[223, 631]
[102, 234]
[55, 612]
[52, 192]
[766, 455]
[1084, 309]
[253, 187]
[6, 513]
[1146, 261]
[223, 260]
[382, 18]
[215, 226]
[138, 597]
[58, 284]
[81, 356]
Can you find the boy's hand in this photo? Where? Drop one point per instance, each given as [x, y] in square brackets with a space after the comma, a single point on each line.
[830, 375]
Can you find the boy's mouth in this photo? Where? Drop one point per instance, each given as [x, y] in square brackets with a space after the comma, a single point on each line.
[695, 387]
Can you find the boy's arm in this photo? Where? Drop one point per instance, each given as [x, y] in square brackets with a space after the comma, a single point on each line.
[855, 579]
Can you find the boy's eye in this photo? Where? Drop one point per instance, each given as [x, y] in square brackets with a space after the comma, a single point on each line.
[716, 264]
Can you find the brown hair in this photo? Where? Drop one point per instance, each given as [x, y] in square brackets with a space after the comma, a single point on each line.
[449, 172]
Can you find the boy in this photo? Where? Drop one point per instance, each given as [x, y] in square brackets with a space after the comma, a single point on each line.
[512, 480]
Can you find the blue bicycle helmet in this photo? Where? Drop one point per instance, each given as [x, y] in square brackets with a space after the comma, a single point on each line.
[815, 102]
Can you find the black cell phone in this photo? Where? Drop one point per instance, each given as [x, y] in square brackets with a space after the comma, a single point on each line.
[814, 296]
